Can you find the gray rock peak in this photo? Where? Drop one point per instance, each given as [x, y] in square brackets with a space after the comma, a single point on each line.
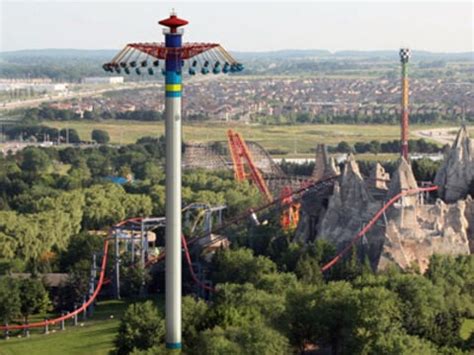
[457, 170]
[402, 179]
[353, 189]
[379, 177]
[324, 166]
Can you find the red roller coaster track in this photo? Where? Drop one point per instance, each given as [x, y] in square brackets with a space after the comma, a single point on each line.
[371, 223]
[326, 267]
[240, 152]
[77, 311]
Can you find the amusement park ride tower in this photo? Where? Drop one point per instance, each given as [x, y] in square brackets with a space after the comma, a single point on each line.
[404, 57]
[196, 57]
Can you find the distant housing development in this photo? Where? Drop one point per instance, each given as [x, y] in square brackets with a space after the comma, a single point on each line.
[245, 99]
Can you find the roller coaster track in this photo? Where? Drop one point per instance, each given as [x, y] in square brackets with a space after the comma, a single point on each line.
[329, 265]
[371, 223]
[77, 311]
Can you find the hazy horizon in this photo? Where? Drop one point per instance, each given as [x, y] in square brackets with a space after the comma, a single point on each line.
[243, 27]
[262, 51]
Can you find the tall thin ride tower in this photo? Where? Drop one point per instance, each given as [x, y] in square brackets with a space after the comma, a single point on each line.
[176, 57]
[404, 57]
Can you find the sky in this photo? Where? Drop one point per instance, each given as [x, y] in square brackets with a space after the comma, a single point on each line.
[241, 26]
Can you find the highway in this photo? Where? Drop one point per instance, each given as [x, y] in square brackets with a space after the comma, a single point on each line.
[4, 106]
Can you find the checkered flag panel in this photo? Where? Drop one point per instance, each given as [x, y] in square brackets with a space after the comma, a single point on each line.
[404, 55]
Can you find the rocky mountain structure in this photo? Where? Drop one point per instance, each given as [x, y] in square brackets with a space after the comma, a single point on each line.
[457, 172]
[470, 220]
[408, 233]
[379, 177]
[350, 206]
[324, 165]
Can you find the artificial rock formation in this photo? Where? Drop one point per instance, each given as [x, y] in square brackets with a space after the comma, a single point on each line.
[349, 207]
[457, 172]
[408, 233]
[403, 180]
[438, 229]
[379, 177]
[469, 214]
[324, 166]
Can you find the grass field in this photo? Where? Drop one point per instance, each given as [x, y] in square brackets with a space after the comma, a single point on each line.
[295, 140]
[94, 337]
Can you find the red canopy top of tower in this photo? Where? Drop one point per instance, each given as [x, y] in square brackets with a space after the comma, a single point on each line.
[173, 22]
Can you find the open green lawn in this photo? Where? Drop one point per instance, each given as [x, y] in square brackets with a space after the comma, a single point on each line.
[95, 336]
[297, 138]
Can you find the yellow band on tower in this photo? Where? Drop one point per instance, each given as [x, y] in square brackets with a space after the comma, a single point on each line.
[173, 87]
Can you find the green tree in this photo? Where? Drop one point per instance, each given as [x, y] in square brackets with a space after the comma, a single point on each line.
[34, 297]
[240, 266]
[194, 319]
[100, 136]
[249, 339]
[335, 313]
[378, 314]
[142, 327]
[237, 305]
[299, 318]
[10, 302]
[69, 135]
[344, 147]
[81, 246]
[424, 309]
[132, 279]
[35, 161]
[399, 343]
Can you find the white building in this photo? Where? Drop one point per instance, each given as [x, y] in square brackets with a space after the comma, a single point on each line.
[33, 86]
[103, 80]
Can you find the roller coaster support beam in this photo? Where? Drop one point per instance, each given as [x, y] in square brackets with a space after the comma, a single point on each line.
[117, 266]
[63, 326]
[84, 311]
[92, 283]
[26, 331]
[132, 248]
[142, 244]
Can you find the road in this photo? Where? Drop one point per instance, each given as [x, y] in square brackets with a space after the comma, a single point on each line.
[71, 95]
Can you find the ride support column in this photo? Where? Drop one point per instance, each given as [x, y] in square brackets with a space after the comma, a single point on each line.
[173, 188]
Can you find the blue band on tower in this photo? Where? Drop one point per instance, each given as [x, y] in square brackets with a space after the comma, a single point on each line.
[173, 77]
[173, 40]
[173, 94]
[173, 84]
[173, 345]
[173, 65]
[173, 59]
